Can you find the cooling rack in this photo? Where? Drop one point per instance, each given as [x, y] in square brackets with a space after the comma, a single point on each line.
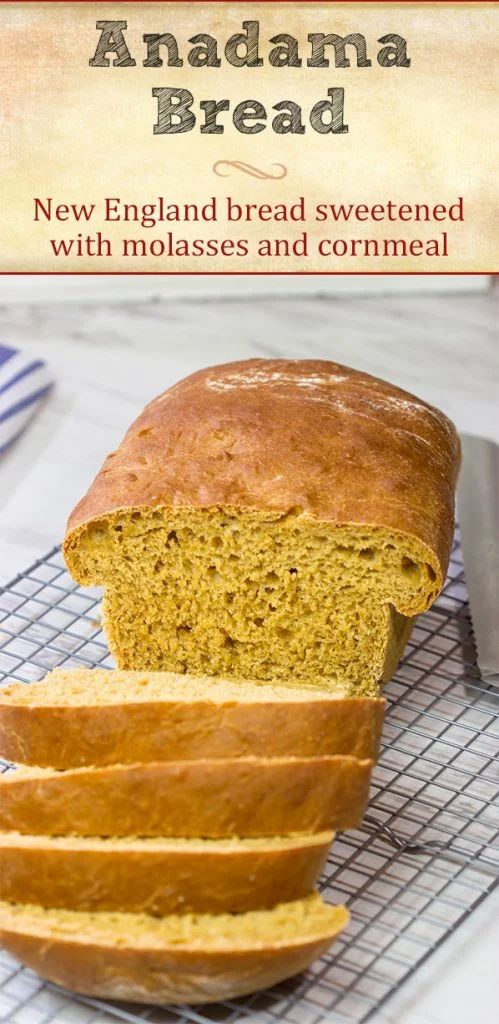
[426, 856]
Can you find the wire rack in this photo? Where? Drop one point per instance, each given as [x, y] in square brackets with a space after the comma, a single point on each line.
[426, 856]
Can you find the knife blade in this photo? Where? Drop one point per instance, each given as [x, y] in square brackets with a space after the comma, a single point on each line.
[478, 507]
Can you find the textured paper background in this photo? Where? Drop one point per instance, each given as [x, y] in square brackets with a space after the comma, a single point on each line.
[426, 134]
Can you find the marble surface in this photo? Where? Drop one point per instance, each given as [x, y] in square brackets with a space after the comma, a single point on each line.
[110, 357]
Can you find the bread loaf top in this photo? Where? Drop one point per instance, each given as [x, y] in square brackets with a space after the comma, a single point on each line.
[289, 436]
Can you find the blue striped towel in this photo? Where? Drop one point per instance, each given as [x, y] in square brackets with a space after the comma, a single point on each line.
[24, 382]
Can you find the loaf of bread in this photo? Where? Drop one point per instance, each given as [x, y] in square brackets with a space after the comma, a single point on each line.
[84, 716]
[250, 796]
[176, 959]
[160, 876]
[279, 520]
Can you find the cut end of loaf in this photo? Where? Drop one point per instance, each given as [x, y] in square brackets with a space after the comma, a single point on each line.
[233, 845]
[254, 595]
[189, 958]
[88, 687]
[79, 717]
[270, 519]
[251, 763]
[286, 923]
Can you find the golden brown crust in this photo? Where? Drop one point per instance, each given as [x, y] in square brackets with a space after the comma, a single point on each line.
[277, 435]
[170, 975]
[66, 737]
[244, 797]
[157, 878]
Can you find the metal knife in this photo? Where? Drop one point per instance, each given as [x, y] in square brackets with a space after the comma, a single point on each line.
[478, 507]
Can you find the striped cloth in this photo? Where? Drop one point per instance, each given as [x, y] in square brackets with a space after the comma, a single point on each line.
[24, 382]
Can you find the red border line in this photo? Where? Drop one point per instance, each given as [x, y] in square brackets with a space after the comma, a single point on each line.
[338, 3]
[249, 273]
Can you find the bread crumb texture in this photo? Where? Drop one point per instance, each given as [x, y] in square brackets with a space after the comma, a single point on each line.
[160, 844]
[189, 958]
[307, 918]
[273, 520]
[251, 595]
[83, 687]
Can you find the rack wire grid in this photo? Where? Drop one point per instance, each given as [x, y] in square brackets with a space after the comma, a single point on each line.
[426, 856]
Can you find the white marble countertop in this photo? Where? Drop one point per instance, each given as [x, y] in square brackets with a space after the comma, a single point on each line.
[109, 358]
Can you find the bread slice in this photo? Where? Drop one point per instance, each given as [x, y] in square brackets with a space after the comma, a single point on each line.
[98, 717]
[209, 798]
[271, 519]
[177, 959]
[160, 876]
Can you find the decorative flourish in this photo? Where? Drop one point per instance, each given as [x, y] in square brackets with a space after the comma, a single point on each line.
[255, 172]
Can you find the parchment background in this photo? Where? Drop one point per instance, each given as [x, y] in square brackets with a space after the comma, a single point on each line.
[425, 134]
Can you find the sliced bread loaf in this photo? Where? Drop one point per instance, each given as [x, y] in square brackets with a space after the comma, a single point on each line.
[271, 519]
[98, 717]
[245, 797]
[177, 959]
[160, 876]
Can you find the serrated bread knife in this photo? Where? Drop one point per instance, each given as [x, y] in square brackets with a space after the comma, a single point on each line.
[478, 508]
